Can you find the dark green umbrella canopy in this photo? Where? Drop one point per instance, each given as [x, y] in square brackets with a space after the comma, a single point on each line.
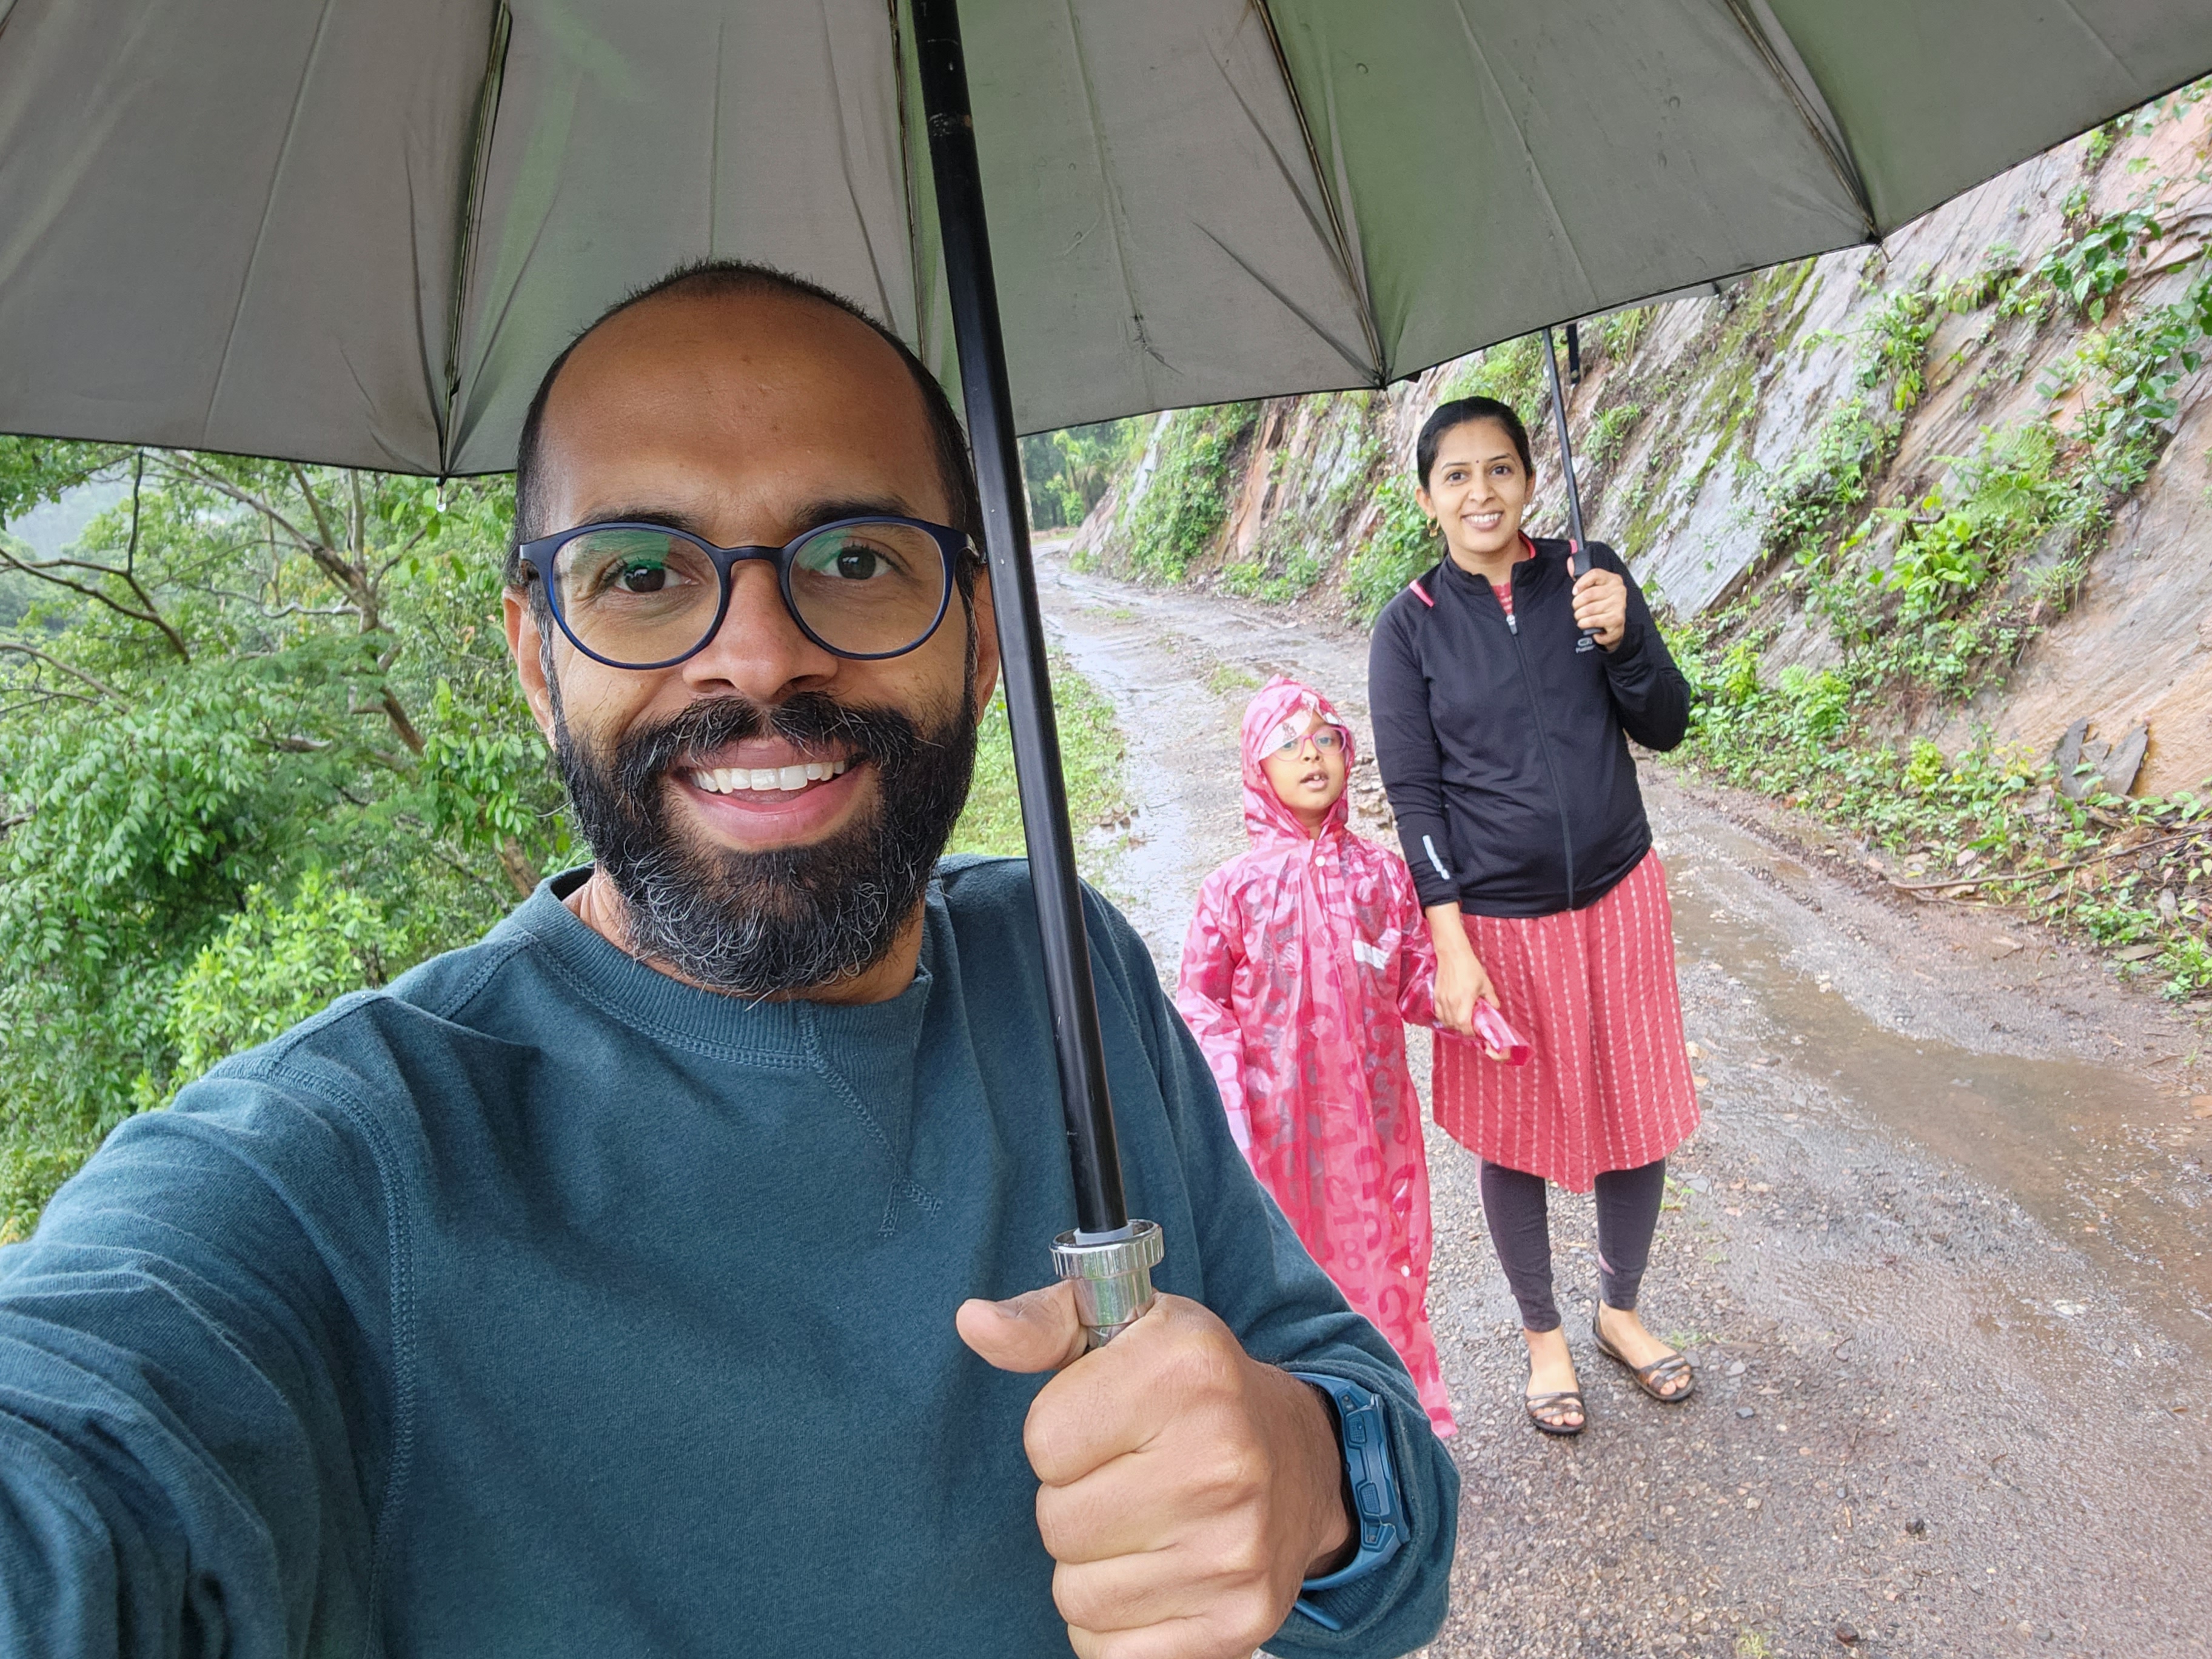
[355, 232]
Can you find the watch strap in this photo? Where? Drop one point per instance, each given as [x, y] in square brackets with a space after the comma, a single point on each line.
[1363, 1432]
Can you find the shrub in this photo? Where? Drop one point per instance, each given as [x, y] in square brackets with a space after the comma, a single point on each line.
[1401, 548]
[275, 964]
[1183, 506]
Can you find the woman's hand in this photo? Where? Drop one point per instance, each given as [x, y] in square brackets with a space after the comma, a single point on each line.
[1461, 981]
[1601, 606]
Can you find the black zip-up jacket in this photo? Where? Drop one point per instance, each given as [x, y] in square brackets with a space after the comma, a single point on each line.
[1503, 749]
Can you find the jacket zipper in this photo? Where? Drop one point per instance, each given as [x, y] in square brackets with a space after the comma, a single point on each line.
[1543, 742]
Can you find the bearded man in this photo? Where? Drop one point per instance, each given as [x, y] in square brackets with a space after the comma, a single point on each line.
[659, 1275]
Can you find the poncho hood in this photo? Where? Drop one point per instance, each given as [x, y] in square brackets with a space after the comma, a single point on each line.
[1266, 818]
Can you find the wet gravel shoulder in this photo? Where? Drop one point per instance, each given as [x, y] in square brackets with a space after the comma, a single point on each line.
[1937, 1250]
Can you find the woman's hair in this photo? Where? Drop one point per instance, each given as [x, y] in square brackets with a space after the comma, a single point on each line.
[1459, 412]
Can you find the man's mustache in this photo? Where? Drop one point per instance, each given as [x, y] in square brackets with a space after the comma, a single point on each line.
[810, 719]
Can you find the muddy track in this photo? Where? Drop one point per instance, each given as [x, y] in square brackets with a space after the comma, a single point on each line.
[1941, 1250]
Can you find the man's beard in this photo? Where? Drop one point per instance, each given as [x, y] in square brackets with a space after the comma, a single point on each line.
[792, 918]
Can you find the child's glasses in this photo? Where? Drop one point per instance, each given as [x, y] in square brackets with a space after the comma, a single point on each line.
[1326, 741]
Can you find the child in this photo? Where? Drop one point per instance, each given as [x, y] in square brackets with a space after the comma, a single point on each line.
[1305, 956]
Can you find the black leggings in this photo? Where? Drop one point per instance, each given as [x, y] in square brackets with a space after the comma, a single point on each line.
[1627, 1216]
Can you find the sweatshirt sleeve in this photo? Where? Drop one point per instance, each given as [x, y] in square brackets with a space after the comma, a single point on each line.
[1258, 1279]
[1648, 689]
[1407, 755]
[187, 1395]
[1210, 951]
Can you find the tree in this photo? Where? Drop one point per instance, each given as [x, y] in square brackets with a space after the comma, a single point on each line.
[1067, 471]
[259, 739]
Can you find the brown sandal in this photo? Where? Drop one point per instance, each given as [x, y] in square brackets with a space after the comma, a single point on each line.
[1665, 1369]
[1564, 1400]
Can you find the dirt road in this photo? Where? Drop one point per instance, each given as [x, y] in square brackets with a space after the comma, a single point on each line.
[1941, 1250]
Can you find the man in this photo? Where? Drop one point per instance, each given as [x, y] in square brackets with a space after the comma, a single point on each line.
[659, 1275]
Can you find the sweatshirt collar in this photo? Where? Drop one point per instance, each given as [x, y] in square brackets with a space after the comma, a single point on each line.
[652, 1003]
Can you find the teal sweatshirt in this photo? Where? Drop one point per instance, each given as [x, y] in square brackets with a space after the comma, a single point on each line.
[540, 1305]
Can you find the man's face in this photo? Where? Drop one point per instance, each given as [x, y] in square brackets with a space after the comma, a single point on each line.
[748, 420]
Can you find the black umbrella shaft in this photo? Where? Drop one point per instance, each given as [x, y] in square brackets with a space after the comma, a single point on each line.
[1092, 1153]
[1566, 453]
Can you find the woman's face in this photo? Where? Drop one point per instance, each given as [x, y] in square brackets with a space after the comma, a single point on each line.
[1476, 491]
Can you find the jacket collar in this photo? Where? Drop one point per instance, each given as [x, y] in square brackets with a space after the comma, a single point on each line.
[1532, 575]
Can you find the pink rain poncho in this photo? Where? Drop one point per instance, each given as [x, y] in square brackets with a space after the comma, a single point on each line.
[1306, 955]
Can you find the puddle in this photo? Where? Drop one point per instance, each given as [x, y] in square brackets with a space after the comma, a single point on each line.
[2092, 1154]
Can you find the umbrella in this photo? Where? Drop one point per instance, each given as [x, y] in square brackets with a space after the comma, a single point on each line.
[354, 232]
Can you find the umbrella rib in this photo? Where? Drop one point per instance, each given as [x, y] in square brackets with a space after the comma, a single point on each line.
[1528, 150]
[1113, 197]
[1289, 305]
[488, 99]
[2103, 45]
[845, 167]
[920, 271]
[1812, 106]
[1352, 271]
[261, 231]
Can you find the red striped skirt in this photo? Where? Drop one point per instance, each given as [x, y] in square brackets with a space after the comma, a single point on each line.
[1592, 991]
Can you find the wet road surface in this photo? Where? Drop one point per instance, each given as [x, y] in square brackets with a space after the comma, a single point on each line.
[1941, 1250]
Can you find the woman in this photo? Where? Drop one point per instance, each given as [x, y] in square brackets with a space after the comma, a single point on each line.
[1505, 751]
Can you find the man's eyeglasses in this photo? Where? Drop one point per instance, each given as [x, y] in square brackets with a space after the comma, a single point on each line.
[645, 596]
[1326, 741]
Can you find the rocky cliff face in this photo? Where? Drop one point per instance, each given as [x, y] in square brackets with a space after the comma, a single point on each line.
[1972, 469]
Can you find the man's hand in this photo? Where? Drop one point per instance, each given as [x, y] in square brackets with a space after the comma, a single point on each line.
[1601, 603]
[1187, 1489]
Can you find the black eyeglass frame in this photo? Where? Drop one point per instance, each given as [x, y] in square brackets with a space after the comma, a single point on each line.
[539, 554]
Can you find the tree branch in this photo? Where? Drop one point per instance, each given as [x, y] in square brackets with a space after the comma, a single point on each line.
[100, 686]
[137, 478]
[44, 570]
[315, 503]
[400, 724]
[516, 863]
[268, 511]
[39, 696]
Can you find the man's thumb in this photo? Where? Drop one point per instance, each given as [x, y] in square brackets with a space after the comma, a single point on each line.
[1035, 1332]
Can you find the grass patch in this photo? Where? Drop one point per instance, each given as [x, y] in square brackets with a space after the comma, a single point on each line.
[1511, 371]
[1228, 678]
[1090, 756]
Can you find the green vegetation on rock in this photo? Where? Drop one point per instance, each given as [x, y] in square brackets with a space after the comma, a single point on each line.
[1402, 546]
[1932, 601]
[1184, 504]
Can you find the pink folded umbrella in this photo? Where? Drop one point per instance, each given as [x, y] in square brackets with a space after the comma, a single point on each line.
[1495, 1035]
